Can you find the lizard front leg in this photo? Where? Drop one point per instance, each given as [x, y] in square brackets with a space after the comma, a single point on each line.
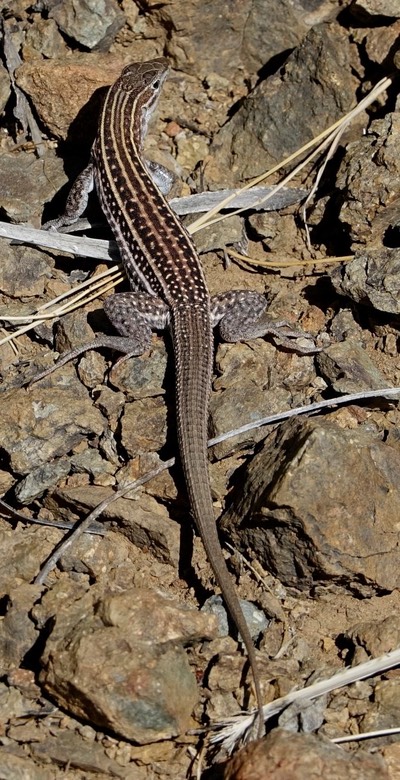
[77, 200]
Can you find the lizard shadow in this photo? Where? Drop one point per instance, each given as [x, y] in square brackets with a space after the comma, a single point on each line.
[74, 150]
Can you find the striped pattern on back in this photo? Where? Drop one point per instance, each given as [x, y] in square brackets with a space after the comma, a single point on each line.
[161, 253]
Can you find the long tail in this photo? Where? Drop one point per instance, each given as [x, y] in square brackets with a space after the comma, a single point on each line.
[192, 339]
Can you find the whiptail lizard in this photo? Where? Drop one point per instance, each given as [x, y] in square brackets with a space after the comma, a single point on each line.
[169, 289]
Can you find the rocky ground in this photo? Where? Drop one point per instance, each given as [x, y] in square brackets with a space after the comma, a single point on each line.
[110, 669]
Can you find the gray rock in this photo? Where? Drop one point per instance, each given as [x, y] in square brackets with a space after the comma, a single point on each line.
[41, 479]
[255, 618]
[5, 88]
[26, 186]
[316, 79]
[94, 25]
[42, 424]
[347, 367]
[371, 279]
[142, 376]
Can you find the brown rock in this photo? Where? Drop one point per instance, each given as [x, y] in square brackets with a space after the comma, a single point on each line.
[283, 755]
[314, 503]
[18, 768]
[25, 188]
[204, 39]
[115, 660]
[144, 426]
[144, 521]
[367, 9]
[17, 630]
[59, 89]
[377, 637]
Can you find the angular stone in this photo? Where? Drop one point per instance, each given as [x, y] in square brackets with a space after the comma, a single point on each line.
[262, 132]
[282, 754]
[367, 180]
[314, 503]
[41, 178]
[38, 426]
[115, 659]
[18, 768]
[371, 279]
[143, 520]
[59, 89]
[5, 88]
[92, 24]
[347, 368]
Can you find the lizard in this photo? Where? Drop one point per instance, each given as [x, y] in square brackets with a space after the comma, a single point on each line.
[168, 289]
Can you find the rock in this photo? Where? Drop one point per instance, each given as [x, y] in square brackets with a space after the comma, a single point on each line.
[382, 43]
[69, 749]
[39, 426]
[5, 88]
[43, 39]
[142, 376]
[41, 178]
[386, 710]
[144, 426]
[220, 235]
[17, 768]
[316, 79]
[60, 89]
[22, 552]
[24, 271]
[368, 200]
[115, 659]
[41, 479]
[255, 381]
[347, 368]
[376, 637]
[368, 10]
[282, 754]
[255, 618]
[391, 754]
[371, 279]
[92, 25]
[250, 38]
[144, 521]
[17, 631]
[314, 503]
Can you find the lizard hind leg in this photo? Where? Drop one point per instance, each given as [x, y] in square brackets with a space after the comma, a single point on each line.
[134, 315]
[242, 315]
